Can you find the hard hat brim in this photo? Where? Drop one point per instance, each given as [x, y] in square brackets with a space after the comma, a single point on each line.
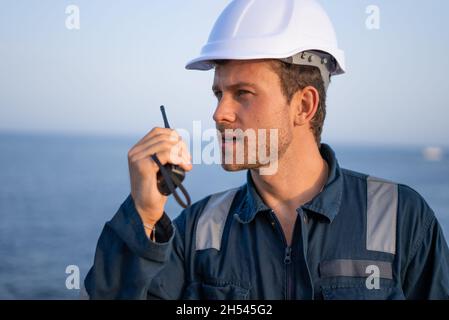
[206, 61]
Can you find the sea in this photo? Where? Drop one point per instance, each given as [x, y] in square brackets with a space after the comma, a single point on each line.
[58, 190]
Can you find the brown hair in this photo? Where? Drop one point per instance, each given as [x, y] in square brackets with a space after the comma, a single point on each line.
[295, 77]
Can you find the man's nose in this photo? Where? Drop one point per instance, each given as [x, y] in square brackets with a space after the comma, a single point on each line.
[225, 111]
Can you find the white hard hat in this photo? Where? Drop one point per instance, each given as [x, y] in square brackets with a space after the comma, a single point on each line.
[271, 29]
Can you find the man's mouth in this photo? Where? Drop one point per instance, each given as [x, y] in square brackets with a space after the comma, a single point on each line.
[231, 139]
[228, 139]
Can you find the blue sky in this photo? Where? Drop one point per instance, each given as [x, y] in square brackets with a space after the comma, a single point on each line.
[128, 58]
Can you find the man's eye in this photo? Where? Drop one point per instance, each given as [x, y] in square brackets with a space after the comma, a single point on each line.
[242, 92]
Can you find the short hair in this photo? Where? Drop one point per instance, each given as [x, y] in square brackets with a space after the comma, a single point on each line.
[295, 77]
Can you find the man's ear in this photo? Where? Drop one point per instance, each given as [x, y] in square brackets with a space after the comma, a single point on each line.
[305, 104]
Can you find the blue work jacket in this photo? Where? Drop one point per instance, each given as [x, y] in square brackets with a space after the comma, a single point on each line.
[361, 237]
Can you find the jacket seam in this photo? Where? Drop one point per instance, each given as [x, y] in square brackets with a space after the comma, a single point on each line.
[420, 241]
[349, 173]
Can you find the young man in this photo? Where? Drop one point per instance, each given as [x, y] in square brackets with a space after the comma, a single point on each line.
[310, 230]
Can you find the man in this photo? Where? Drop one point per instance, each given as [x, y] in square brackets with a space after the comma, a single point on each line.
[310, 230]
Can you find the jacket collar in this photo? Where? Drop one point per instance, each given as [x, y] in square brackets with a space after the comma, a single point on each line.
[326, 203]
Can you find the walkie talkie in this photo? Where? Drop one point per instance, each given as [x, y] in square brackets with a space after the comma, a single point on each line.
[170, 176]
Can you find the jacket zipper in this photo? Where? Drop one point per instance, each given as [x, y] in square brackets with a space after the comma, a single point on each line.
[287, 262]
[287, 259]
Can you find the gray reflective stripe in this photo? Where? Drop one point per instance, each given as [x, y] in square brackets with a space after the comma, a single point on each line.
[382, 205]
[354, 268]
[212, 220]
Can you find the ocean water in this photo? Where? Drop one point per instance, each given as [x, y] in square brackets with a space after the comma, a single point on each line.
[57, 191]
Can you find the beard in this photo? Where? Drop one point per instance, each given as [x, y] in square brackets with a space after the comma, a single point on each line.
[252, 148]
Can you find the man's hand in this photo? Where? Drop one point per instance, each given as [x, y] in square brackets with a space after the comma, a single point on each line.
[169, 148]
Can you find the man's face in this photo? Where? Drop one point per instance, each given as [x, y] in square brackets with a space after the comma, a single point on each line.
[250, 98]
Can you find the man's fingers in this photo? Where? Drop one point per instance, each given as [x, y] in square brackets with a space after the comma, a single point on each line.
[157, 131]
[167, 152]
[174, 156]
[156, 148]
[152, 141]
[185, 154]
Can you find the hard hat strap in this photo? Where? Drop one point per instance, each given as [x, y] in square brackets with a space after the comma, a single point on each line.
[325, 63]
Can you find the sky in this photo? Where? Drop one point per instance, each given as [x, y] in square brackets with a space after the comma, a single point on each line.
[128, 58]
